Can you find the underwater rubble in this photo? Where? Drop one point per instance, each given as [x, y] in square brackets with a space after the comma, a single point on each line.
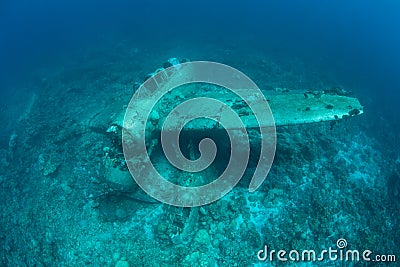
[63, 202]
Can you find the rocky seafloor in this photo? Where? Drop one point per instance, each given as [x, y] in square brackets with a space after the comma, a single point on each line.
[327, 181]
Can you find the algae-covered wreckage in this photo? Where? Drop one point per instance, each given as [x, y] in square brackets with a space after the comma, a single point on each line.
[123, 198]
[288, 107]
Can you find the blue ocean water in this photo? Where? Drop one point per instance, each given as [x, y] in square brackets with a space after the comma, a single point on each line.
[68, 67]
[357, 39]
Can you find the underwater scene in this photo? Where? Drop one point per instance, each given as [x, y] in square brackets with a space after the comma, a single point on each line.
[199, 133]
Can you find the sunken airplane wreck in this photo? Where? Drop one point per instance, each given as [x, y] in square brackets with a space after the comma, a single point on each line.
[288, 108]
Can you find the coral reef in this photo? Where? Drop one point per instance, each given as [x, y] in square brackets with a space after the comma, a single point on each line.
[58, 206]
